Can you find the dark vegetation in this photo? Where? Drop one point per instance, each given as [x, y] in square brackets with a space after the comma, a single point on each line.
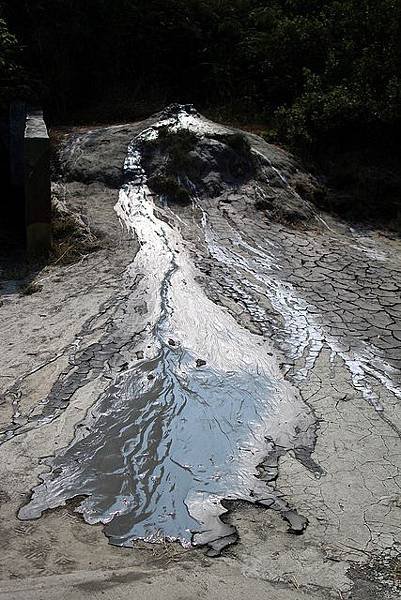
[180, 163]
[170, 188]
[320, 76]
[168, 159]
[72, 241]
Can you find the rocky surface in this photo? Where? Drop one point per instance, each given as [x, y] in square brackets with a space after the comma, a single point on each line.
[324, 303]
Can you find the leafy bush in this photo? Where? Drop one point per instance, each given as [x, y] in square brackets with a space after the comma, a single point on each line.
[170, 188]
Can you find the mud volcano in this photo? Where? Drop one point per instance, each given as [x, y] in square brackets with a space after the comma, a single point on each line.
[198, 413]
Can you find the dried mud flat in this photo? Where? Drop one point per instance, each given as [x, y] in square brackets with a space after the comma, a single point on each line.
[212, 375]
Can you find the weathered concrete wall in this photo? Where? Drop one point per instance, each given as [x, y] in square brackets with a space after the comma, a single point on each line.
[37, 184]
[25, 211]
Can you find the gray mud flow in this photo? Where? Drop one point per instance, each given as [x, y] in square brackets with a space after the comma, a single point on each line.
[200, 414]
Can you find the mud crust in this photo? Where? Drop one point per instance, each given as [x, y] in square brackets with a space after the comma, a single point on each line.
[344, 306]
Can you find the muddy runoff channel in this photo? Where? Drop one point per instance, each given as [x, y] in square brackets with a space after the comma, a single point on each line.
[200, 416]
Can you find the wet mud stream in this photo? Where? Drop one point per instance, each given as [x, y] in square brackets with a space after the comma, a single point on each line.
[199, 416]
[196, 411]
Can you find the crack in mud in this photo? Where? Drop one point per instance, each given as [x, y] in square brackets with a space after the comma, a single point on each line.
[86, 363]
[304, 336]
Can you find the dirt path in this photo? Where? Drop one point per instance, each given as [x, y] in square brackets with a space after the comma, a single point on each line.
[209, 301]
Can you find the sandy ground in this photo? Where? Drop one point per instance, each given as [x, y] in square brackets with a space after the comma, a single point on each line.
[334, 319]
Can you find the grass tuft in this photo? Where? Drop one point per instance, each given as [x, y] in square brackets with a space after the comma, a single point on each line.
[169, 187]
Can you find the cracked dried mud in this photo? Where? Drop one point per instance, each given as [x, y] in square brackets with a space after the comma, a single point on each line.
[213, 380]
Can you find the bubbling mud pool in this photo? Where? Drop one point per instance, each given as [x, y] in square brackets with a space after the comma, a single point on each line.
[200, 419]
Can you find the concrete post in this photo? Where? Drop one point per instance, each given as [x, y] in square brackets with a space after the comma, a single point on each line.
[37, 184]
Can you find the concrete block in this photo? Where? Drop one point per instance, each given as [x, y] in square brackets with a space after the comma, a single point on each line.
[37, 184]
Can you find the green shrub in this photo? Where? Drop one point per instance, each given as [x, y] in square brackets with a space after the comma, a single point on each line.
[170, 188]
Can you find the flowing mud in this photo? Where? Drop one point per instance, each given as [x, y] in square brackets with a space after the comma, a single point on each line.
[199, 412]
[227, 343]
